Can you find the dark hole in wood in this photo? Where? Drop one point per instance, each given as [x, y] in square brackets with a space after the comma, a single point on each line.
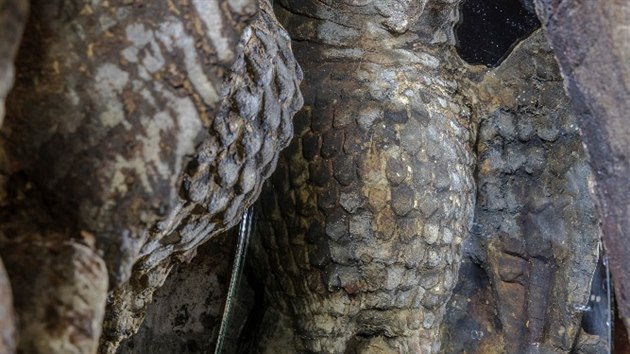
[489, 29]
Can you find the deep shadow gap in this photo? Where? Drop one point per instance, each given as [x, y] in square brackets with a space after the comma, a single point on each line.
[488, 30]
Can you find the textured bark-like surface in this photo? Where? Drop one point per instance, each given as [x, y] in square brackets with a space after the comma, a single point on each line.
[186, 312]
[253, 124]
[364, 218]
[144, 137]
[13, 14]
[526, 277]
[590, 40]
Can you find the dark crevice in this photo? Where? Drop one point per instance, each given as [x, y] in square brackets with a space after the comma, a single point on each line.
[252, 323]
[489, 29]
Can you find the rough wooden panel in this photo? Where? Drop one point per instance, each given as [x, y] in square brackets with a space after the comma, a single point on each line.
[590, 40]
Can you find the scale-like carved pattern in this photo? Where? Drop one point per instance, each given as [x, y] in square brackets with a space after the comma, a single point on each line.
[536, 230]
[226, 174]
[363, 220]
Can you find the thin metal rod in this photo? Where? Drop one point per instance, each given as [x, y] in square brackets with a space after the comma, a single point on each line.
[611, 307]
[244, 233]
